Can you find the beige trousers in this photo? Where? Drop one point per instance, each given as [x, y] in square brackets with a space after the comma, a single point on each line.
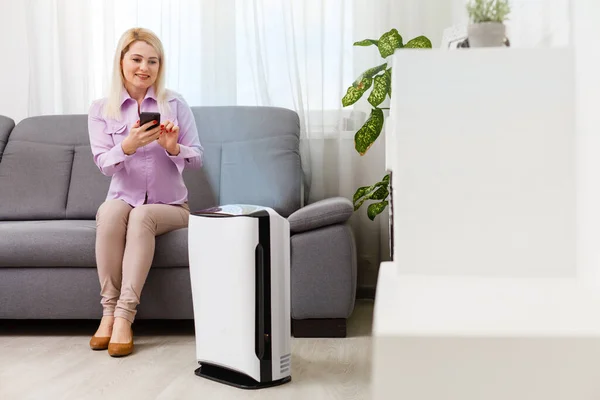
[125, 240]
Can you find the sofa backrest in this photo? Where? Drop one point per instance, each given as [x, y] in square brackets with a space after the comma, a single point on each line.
[251, 156]
[47, 171]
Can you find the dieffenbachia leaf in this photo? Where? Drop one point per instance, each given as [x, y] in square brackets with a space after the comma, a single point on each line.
[380, 194]
[360, 203]
[361, 85]
[381, 87]
[355, 92]
[371, 195]
[369, 74]
[378, 191]
[367, 42]
[420, 42]
[376, 209]
[365, 193]
[369, 132]
[360, 192]
[389, 42]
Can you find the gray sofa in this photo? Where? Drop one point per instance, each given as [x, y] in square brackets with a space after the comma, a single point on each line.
[50, 191]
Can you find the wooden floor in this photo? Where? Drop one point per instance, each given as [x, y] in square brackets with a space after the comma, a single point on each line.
[49, 361]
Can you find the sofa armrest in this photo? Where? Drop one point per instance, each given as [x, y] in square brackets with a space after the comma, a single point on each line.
[322, 213]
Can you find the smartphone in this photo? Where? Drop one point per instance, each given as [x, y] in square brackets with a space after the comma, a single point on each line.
[146, 117]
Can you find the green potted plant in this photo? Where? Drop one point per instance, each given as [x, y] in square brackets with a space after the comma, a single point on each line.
[487, 18]
[380, 79]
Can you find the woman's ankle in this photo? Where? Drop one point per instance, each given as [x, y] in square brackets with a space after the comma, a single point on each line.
[106, 327]
[122, 322]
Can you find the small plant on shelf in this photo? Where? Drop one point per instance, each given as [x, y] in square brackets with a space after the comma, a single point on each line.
[487, 18]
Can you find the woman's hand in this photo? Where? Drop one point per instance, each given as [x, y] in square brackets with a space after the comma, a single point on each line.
[168, 138]
[139, 137]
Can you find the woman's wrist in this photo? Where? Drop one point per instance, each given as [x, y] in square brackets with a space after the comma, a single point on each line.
[127, 148]
[174, 151]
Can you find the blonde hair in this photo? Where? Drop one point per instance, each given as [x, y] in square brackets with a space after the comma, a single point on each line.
[112, 108]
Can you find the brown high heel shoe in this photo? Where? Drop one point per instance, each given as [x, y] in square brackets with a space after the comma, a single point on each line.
[120, 349]
[99, 343]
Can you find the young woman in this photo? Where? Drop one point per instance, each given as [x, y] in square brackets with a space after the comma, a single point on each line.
[147, 195]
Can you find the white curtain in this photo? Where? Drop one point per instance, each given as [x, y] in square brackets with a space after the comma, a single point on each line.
[294, 54]
[540, 23]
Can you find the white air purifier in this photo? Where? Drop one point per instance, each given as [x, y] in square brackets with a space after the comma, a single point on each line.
[239, 258]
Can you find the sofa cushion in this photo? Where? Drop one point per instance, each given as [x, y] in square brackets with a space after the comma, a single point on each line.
[48, 165]
[34, 178]
[252, 155]
[47, 243]
[37, 165]
[6, 127]
[71, 243]
[87, 187]
[64, 130]
[172, 249]
[203, 184]
[262, 172]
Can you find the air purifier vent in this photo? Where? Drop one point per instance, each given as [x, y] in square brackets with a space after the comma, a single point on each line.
[284, 364]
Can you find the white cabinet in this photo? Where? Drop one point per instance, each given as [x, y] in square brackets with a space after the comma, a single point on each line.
[482, 149]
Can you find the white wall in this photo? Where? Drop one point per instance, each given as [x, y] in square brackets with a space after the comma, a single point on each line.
[13, 55]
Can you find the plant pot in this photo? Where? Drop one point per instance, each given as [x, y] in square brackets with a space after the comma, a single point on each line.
[487, 34]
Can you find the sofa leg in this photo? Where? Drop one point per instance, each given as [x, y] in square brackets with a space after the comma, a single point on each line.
[319, 328]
